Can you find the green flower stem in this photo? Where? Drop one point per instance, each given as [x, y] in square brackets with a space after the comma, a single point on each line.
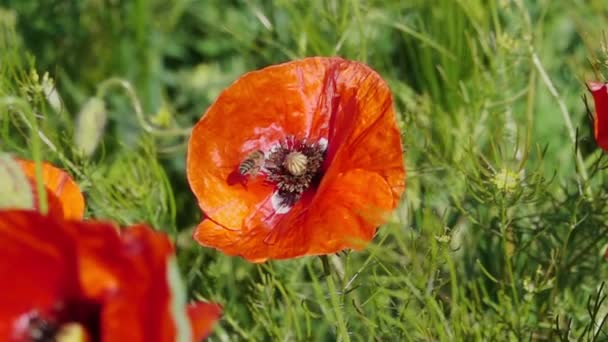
[335, 301]
[566, 116]
[504, 226]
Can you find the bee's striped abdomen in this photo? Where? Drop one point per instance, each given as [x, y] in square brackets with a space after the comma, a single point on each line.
[252, 164]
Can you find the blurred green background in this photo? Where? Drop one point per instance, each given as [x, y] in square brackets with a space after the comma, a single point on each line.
[502, 229]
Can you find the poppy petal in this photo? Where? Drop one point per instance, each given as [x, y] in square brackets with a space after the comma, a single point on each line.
[350, 213]
[363, 130]
[600, 97]
[63, 194]
[256, 244]
[202, 317]
[43, 256]
[136, 292]
[347, 217]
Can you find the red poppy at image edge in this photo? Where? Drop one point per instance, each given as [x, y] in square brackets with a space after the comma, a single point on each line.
[71, 278]
[600, 122]
[332, 167]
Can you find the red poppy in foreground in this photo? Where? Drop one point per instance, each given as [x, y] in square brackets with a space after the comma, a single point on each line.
[600, 97]
[301, 158]
[85, 281]
[63, 194]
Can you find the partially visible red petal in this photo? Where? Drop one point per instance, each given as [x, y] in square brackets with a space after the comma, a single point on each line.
[363, 129]
[65, 197]
[352, 206]
[48, 262]
[202, 317]
[600, 97]
[345, 215]
[38, 268]
[128, 272]
[257, 244]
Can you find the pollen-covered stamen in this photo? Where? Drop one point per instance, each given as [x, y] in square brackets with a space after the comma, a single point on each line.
[72, 332]
[41, 330]
[293, 167]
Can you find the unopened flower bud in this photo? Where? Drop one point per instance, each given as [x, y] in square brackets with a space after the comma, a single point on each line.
[90, 126]
[50, 92]
[15, 189]
[506, 180]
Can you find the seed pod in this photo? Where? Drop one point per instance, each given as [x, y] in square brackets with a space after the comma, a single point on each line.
[15, 189]
[295, 163]
[90, 126]
[50, 92]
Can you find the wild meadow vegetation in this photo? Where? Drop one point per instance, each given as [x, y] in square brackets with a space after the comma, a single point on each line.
[502, 230]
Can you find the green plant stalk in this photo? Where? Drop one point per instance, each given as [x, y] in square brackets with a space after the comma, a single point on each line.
[503, 234]
[335, 302]
[566, 116]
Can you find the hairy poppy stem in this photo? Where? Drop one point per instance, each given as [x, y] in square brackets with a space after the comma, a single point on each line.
[335, 300]
[337, 306]
[566, 117]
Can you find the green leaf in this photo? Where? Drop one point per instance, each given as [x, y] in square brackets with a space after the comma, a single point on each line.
[90, 126]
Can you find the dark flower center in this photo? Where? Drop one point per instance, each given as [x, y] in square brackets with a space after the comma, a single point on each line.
[294, 166]
[41, 330]
[73, 322]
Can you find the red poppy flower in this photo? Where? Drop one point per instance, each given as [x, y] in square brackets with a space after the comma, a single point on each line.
[600, 97]
[85, 281]
[301, 158]
[63, 194]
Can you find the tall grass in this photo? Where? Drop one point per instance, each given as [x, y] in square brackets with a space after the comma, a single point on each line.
[502, 230]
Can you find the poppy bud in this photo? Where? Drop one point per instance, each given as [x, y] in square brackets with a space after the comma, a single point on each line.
[90, 126]
[14, 185]
[295, 163]
[506, 180]
[50, 92]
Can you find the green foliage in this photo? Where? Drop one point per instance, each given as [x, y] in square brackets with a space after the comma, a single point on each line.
[503, 228]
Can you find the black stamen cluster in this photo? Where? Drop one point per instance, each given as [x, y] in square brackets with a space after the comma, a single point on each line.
[41, 330]
[291, 187]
